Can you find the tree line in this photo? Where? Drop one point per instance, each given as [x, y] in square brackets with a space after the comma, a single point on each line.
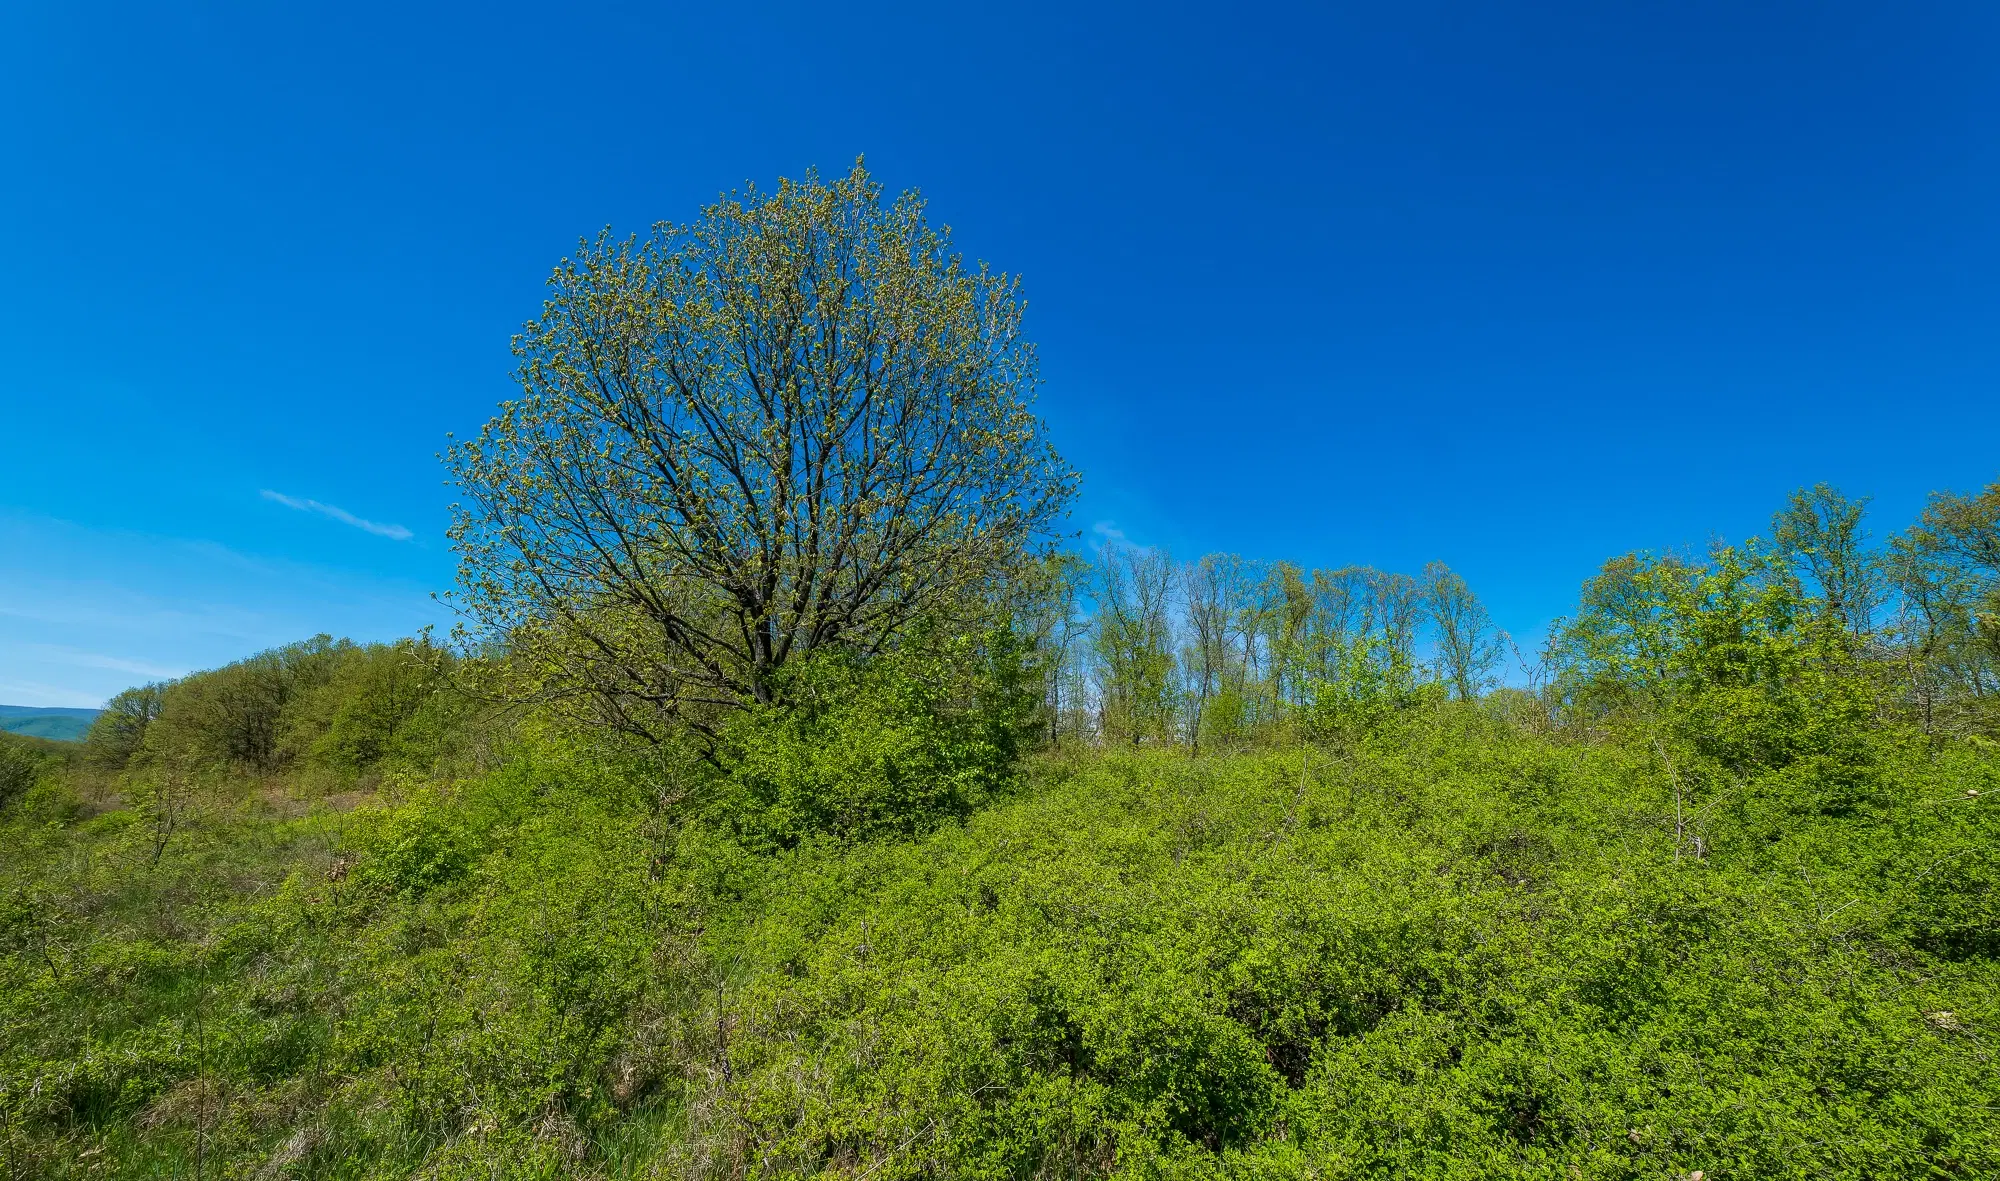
[1137, 648]
[322, 703]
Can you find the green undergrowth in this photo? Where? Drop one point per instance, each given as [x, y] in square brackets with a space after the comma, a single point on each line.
[1451, 949]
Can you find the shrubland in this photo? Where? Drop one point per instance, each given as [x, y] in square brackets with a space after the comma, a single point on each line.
[1734, 912]
[790, 808]
[26, 763]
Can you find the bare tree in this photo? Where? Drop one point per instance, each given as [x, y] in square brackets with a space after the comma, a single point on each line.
[797, 422]
[1468, 648]
[1340, 616]
[1052, 614]
[1930, 598]
[1210, 590]
[1396, 608]
[1248, 622]
[165, 793]
[1135, 643]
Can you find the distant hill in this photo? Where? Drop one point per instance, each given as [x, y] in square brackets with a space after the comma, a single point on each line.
[47, 721]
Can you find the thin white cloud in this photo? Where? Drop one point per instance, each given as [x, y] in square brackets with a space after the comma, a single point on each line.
[141, 617]
[82, 659]
[1106, 535]
[395, 532]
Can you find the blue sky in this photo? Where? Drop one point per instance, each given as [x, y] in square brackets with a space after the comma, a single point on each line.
[1515, 286]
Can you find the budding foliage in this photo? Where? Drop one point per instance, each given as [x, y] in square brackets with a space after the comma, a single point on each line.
[798, 422]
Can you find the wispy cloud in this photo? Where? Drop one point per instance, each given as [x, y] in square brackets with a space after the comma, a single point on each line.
[395, 532]
[1108, 533]
[82, 659]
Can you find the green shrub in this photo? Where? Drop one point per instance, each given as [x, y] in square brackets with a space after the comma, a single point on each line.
[892, 745]
[26, 762]
[1451, 951]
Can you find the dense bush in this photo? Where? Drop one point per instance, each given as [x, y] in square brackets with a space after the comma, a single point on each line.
[25, 762]
[926, 733]
[1730, 657]
[1447, 948]
[1718, 895]
[1455, 951]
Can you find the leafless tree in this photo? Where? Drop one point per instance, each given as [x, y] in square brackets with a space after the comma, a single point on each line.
[1468, 648]
[1211, 590]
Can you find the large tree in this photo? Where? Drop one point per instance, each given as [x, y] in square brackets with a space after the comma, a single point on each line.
[799, 421]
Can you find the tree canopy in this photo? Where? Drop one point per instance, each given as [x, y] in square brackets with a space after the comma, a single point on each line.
[798, 421]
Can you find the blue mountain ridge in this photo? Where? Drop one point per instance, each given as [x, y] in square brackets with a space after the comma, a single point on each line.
[47, 721]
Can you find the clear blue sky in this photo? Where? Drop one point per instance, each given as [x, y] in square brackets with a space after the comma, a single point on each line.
[1515, 286]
